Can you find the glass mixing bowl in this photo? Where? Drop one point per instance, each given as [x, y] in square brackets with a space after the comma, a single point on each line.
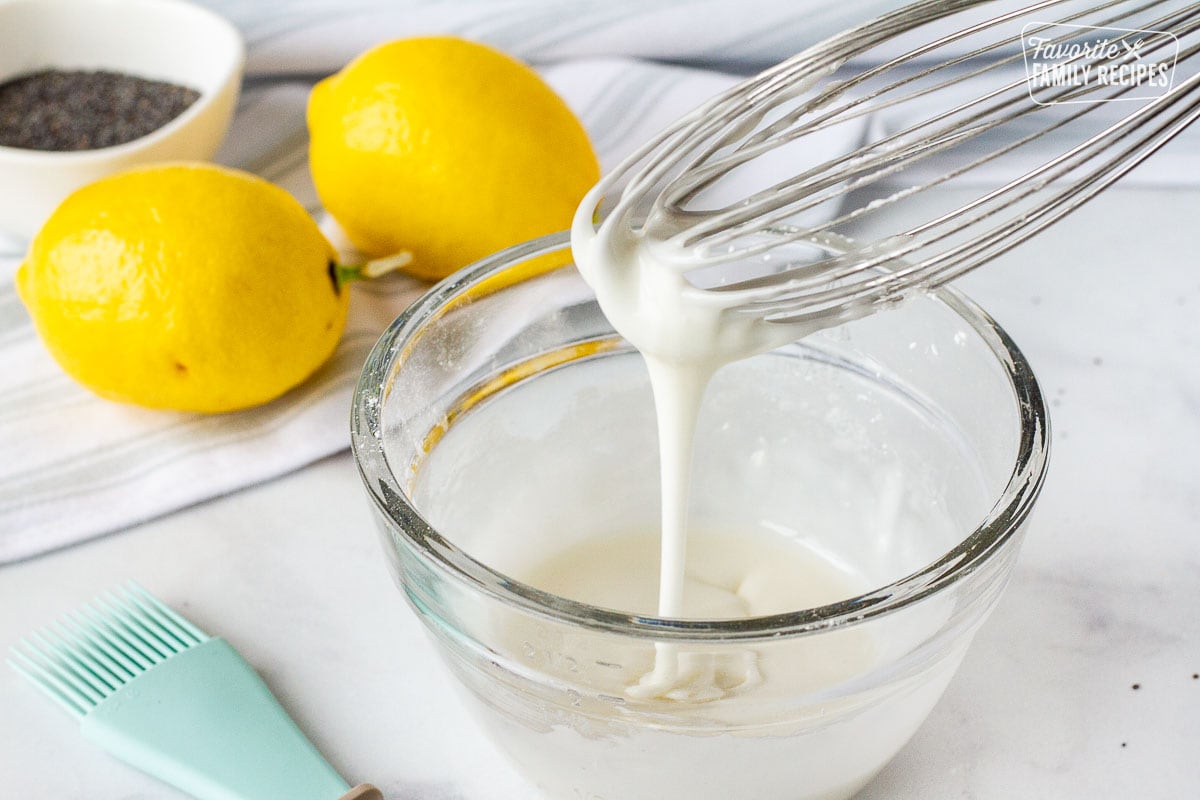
[500, 420]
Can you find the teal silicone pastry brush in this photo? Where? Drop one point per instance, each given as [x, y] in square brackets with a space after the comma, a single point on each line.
[160, 694]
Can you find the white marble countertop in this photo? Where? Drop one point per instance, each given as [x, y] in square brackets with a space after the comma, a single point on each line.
[1082, 685]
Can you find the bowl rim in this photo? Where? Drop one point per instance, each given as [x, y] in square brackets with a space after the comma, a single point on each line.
[998, 528]
[230, 72]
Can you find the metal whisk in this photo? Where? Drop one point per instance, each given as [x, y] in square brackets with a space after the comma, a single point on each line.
[957, 91]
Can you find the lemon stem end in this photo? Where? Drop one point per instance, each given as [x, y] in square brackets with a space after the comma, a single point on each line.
[373, 268]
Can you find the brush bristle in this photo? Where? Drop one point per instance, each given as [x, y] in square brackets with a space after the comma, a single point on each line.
[89, 654]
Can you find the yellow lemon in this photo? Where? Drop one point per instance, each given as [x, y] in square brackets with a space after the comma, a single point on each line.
[447, 149]
[184, 286]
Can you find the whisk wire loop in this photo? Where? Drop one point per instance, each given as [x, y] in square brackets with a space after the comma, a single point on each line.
[953, 97]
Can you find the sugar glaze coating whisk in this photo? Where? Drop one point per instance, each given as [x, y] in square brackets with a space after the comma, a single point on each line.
[1045, 106]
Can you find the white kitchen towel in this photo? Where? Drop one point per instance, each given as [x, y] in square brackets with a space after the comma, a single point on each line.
[319, 36]
[73, 466]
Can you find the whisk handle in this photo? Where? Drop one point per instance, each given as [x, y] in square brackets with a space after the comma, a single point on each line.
[364, 791]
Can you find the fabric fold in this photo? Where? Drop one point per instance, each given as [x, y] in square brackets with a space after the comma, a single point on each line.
[74, 466]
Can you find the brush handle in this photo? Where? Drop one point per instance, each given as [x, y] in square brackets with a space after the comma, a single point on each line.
[364, 791]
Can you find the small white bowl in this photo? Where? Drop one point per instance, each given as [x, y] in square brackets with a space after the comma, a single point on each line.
[166, 40]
